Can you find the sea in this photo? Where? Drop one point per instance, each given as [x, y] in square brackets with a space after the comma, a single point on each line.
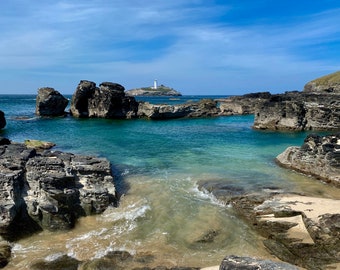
[157, 166]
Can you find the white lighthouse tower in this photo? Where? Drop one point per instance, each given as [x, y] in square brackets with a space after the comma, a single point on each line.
[155, 84]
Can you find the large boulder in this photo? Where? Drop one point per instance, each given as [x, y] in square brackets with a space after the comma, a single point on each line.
[318, 156]
[329, 84]
[2, 120]
[50, 102]
[106, 101]
[50, 190]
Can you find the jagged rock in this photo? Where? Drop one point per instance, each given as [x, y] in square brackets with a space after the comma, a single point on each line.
[50, 102]
[107, 101]
[246, 263]
[50, 190]
[242, 105]
[2, 120]
[327, 84]
[318, 156]
[299, 111]
[298, 229]
[202, 108]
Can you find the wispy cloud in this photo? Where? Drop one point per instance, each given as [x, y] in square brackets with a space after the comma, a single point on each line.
[191, 45]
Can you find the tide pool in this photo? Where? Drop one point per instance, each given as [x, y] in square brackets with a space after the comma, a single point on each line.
[157, 165]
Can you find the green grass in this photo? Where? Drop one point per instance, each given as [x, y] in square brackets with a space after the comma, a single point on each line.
[328, 79]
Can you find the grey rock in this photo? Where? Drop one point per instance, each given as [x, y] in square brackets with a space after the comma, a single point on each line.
[50, 102]
[106, 101]
[247, 263]
[318, 156]
[50, 190]
[202, 108]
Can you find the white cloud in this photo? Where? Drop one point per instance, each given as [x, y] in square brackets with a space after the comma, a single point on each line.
[183, 42]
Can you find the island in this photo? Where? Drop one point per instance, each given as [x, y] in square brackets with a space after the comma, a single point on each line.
[154, 90]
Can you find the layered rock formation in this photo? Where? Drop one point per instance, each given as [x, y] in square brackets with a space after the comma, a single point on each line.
[299, 111]
[316, 108]
[50, 190]
[203, 108]
[318, 156]
[2, 120]
[300, 230]
[242, 105]
[106, 101]
[50, 102]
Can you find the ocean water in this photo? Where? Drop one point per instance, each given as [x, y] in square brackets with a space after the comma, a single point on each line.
[157, 165]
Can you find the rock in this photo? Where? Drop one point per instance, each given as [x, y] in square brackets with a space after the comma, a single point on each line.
[202, 108]
[39, 145]
[61, 263]
[4, 141]
[294, 228]
[107, 101]
[150, 91]
[50, 102]
[2, 120]
[5, 253]
[298, 111]
[222, 190]
[242, 105]
[318, 156]
[329, 84]
[245, 263]
[50, 190]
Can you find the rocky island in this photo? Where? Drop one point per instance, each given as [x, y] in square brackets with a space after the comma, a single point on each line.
[155, 90]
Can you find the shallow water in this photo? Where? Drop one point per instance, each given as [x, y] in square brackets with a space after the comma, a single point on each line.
[157, 165]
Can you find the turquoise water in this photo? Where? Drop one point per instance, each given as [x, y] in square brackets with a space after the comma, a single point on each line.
[157, 165]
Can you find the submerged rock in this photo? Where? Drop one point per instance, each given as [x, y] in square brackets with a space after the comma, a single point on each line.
[247, 263]
[50, 102]
[50, 190]
[318, 156]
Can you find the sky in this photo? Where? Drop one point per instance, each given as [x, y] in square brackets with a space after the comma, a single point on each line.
[198, 47]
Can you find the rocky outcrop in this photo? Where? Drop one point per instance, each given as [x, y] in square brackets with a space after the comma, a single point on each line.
[297, 229]
[299, 111]
[50, 102]
[50, 190]
[203, 108]
[318, 156]
[2, 120]
[329, 84]
[106, 101]
[300, 230]
[150, 91]
[247, 263]
[242, 105]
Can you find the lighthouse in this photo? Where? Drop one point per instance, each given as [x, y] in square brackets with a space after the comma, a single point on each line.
[155, 84]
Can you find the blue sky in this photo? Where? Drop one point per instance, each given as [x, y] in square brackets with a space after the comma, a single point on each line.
[195, 46]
